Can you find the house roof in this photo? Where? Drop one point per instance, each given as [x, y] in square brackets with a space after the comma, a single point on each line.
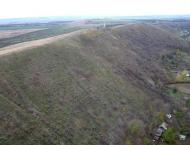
[164, 125]
[182, 137]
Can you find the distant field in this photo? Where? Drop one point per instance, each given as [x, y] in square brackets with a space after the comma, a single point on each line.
[48, 32]
[29, 26]
[13, 33]
[43, 30]
[35, 43]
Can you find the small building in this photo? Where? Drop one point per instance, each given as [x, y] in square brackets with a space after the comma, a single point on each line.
[169, 116]
[158, 134]
[164, 125]
[182, 137]
[160, 130]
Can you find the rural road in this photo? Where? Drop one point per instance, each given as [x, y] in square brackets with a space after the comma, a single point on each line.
[35, 43]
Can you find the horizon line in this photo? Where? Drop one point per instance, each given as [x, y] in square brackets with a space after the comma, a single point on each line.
[98, 16]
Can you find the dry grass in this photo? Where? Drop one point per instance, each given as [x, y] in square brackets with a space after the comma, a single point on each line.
[80, 93]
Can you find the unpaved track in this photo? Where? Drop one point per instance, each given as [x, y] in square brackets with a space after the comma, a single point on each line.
[35, 43]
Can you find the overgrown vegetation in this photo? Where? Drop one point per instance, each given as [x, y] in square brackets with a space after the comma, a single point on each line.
[174, 59]
[188, 103]
[147, 141]
[174, 92]
[72, 97]
[74, 92]
[169, 135]
[135, 127]
[182, 76]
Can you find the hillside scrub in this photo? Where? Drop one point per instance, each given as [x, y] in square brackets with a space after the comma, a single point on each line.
[77, 93]
[136, 127]
[169, 135]
[182, 76]
[174, 59]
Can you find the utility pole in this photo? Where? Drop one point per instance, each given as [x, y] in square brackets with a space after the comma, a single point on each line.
[104, 24]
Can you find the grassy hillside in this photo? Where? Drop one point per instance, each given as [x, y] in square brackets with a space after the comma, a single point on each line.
[99, 87]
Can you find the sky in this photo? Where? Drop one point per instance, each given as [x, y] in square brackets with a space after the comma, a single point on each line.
[37, 8]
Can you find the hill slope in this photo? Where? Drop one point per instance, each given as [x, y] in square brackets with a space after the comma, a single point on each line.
[98, 87]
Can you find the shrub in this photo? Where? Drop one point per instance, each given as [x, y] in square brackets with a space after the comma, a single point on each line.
[147, 141]
[179, 114]
[169, 135]
[182, 76]
[174, 90]
[161, 116]
[188, 103]
[136, 127]
[128, 142]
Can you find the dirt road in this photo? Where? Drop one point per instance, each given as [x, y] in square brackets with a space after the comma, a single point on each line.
[35, 43]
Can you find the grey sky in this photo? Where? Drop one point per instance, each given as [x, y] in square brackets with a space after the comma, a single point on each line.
[33, 8]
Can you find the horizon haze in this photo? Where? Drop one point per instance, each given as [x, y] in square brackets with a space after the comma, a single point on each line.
[42, 8]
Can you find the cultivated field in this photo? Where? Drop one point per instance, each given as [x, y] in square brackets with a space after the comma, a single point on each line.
[13, 33]
[35, 43]
[45, 32]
